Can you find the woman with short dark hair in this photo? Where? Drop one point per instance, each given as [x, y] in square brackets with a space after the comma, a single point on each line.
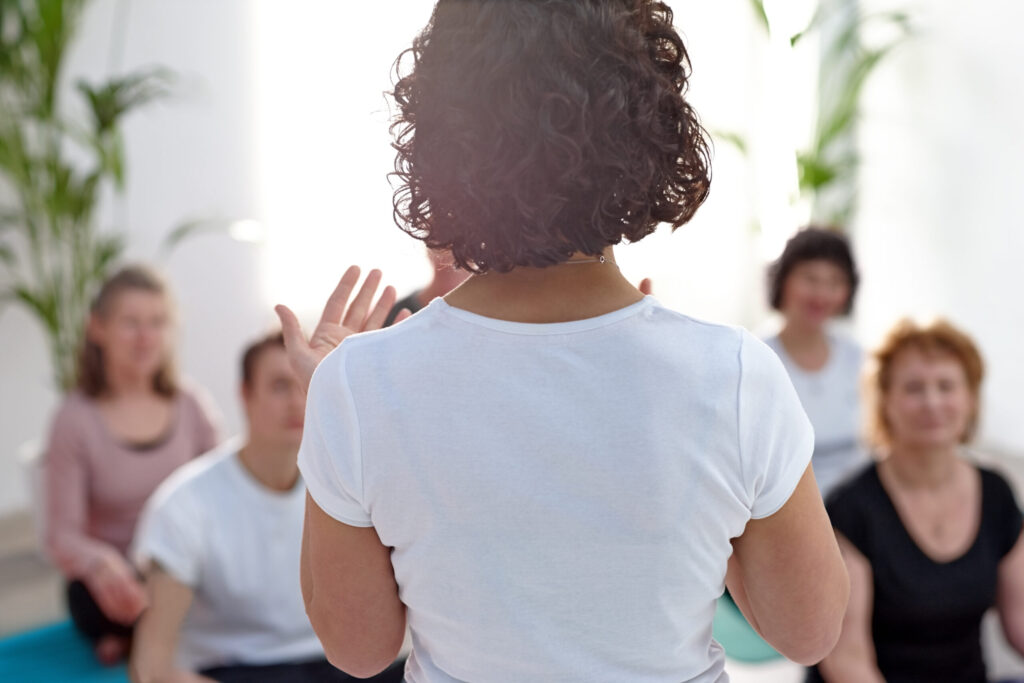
[546, 474]
[813, 282]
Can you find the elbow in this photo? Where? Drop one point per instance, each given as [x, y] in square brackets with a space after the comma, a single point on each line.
[812, 649]
[359, 652]
[819, 630]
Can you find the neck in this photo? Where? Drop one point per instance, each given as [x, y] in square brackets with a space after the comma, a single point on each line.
[273, 466]
[797, 337]
[561, 293]
[922, 467]
[445, 280]
[121, 383]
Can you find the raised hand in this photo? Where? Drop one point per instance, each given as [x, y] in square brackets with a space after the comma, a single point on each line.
[645, 286]
[340, 319]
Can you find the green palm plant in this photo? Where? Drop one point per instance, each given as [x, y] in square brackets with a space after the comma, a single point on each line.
[828, 167]
[53, 170]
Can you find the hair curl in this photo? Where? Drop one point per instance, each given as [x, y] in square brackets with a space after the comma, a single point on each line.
[533, 129]
[938, 338]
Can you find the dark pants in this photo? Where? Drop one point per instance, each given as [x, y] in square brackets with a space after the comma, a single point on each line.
[87, 616]
[316, 671]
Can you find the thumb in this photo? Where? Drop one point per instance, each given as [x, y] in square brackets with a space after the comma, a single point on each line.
[645, 286]
[290, 327]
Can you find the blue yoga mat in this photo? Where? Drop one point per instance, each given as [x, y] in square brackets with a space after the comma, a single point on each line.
[54, 654]
[739, 639]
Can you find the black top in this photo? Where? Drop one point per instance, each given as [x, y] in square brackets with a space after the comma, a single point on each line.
[926, 616]
[412, 302]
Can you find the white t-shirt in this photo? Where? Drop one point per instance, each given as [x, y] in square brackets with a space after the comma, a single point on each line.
[212, 526]
[559, 497]
[831, 397]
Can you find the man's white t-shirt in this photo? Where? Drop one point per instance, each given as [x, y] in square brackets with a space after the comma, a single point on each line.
[212, 526]
[831, 397]
[559, 497]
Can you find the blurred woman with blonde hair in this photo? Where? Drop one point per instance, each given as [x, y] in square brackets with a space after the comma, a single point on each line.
[127, 425]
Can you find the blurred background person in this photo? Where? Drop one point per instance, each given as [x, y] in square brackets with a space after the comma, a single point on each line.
[811, 284]
[128, 425]
[931, 540]
[219, 547]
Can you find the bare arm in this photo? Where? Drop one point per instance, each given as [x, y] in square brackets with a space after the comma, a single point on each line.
[853, 659]
[788, 578]
[1010, 595]
[351, 597]
[156, 635]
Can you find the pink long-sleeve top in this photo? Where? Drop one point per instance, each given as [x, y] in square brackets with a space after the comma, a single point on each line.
[96, 485]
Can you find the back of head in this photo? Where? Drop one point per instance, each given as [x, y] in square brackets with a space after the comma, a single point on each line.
[533, 129]
[92, 377]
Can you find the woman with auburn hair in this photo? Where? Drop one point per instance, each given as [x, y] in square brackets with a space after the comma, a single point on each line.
[931, 541]
[126, 427]
[546, 474]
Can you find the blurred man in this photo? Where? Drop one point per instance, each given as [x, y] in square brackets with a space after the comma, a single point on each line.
[219, 544]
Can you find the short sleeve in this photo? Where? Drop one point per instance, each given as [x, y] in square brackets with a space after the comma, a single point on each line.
[1005, 513]
[170, 534]
[775, 437]
[330, 457]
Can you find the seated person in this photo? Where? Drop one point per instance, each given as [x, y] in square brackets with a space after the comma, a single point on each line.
[219, 545]
[126, 426]
[931, 541]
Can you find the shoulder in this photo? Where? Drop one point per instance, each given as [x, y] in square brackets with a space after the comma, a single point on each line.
[996, 487]
[857, 494]
[200, 479]
[846, 347]
[196, 401]
[73, 409]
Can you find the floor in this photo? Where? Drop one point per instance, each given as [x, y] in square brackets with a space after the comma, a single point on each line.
[30, 589]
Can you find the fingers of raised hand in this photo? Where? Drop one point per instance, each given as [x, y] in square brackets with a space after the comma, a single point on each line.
[380, 311]
[290, 328]
[645, 286]
[358, 311]
[334, 309]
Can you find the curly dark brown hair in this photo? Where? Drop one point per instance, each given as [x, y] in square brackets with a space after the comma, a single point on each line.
[531, 129]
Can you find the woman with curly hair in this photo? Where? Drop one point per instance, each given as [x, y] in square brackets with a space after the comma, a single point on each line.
[931, 540]
[546, 474]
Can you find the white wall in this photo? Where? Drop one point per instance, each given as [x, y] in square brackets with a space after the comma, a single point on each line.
[939, 228]
[189, 156]
[279, 117]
